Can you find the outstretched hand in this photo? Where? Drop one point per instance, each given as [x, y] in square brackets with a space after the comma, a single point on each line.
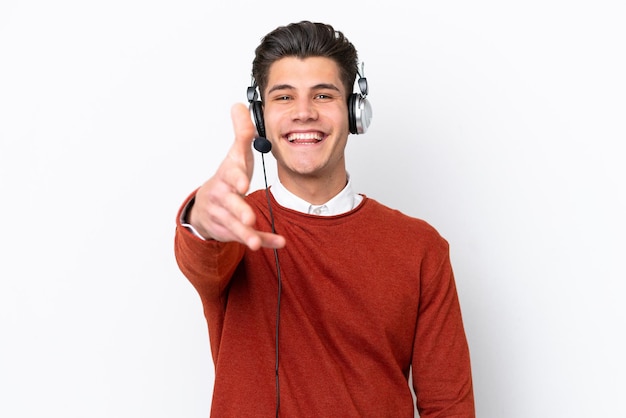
[220, 211]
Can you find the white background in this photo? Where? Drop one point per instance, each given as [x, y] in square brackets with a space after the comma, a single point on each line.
[500, 123]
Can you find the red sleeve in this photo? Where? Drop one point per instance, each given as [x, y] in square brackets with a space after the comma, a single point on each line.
[209, 266]
[441, 363]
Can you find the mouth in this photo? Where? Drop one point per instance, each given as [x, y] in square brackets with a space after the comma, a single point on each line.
[305, 137]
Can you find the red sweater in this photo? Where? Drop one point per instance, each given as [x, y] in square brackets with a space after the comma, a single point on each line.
[365, 296]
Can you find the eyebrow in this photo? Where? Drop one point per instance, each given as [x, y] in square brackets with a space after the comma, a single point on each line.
[320, 86]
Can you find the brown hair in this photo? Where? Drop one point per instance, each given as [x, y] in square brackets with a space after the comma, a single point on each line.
[302, 40]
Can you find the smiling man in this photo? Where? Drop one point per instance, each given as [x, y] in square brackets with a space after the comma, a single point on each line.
[319, 301]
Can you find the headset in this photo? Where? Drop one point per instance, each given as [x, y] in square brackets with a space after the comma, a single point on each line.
[359, 110]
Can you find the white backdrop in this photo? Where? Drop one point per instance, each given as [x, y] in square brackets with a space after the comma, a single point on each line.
[500, 123]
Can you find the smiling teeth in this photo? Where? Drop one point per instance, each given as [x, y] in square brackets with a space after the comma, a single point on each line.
[304, 137]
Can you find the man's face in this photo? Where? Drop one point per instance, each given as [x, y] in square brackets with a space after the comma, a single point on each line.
[306, 117]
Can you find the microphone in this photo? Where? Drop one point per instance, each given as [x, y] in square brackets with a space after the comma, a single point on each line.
[263, 145]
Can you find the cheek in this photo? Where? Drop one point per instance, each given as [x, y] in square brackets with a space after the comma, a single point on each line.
[271, 122]
[343, 122]
[341, 115]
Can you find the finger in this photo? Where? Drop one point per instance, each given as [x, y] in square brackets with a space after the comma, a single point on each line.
[231, 229]
[236, 219]
[228, 228]
[270, 240]
[238, 208]
[235, 176]
[228, 217]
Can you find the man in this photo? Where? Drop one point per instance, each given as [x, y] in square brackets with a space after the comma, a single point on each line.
[328, 316]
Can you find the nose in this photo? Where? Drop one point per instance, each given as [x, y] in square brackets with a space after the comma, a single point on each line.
[304, 110]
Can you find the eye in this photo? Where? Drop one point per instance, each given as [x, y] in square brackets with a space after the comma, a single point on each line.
[323, 96]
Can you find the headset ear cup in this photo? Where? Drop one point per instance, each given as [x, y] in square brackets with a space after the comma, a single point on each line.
[351, 113]
[364, 115]
[359, 114]
[256, 110]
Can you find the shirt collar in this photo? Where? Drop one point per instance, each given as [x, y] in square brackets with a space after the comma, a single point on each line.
[343, 202]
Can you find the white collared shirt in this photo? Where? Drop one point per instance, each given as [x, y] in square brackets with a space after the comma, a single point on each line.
[343, 202]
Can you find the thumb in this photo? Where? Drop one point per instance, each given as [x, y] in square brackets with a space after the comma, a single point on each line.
[243, 127]
[241, 151]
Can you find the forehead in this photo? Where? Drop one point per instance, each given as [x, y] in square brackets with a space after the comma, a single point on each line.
[304, 73]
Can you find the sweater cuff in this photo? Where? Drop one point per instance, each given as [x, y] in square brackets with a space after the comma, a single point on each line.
[184, 213]
[184, 218]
